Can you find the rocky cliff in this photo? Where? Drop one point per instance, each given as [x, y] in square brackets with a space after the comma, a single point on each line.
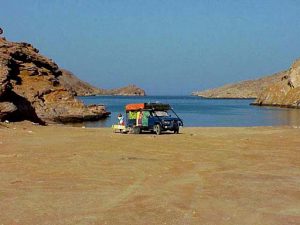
[244, 89]
[30, 88]
[81, 88]
[284, 93]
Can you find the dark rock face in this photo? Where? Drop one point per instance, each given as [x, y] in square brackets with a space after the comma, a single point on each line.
[284, 93]
[30, 81]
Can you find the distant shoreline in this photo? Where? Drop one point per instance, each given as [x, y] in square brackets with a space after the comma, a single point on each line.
[145, 96]
[215, 98]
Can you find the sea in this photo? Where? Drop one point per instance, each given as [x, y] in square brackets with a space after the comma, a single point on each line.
[201, 112]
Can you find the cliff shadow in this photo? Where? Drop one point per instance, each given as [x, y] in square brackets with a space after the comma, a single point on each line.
[14, 71]
[24, 111]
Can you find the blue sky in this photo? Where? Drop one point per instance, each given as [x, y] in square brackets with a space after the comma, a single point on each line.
[164, 46]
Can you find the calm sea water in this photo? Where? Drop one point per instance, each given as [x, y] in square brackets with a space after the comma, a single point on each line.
[196, 111]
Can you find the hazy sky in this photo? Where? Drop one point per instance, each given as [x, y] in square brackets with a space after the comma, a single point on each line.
[163, 46]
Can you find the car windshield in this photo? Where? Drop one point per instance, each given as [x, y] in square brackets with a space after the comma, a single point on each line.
[161, 113]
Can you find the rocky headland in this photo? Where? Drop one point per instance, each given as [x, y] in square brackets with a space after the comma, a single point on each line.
[285, 92]
[243, 90]
[31, 88]
[280, 89]
[81, 88]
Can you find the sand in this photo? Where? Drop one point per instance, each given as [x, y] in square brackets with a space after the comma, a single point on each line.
[64, 175]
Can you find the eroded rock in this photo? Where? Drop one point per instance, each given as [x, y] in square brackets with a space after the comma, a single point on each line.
[6, 108]
[284, 93]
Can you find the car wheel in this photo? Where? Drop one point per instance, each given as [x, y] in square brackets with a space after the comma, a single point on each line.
[157, 129]
[136, 130]
[130, 130]
[176, 131]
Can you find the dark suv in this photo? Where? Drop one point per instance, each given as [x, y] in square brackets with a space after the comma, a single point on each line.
[155, 117]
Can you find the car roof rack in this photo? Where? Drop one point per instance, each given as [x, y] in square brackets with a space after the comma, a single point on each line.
[153, 106]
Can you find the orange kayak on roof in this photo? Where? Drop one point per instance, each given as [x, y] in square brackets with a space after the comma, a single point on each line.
[136, 106]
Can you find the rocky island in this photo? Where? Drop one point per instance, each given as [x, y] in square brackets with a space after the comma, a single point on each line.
[33, 87]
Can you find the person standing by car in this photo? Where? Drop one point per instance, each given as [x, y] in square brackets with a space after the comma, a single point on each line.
[120, 119]
[139, 118]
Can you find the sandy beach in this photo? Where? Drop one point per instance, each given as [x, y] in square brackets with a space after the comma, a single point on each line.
[67, 175]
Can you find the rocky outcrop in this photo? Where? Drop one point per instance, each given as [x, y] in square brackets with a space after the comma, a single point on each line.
[284, 93]
[6, 108]
[30, 82]
[81, 88]
[244, 89]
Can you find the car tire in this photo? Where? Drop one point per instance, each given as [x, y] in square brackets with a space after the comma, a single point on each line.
[157, 129]
[176, 131]
[130, 130]
[137, 130]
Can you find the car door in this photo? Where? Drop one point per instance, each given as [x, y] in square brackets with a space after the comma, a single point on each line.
[145, 118]
[151, 120]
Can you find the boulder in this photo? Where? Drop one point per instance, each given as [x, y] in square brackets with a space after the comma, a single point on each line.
[6, 108]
